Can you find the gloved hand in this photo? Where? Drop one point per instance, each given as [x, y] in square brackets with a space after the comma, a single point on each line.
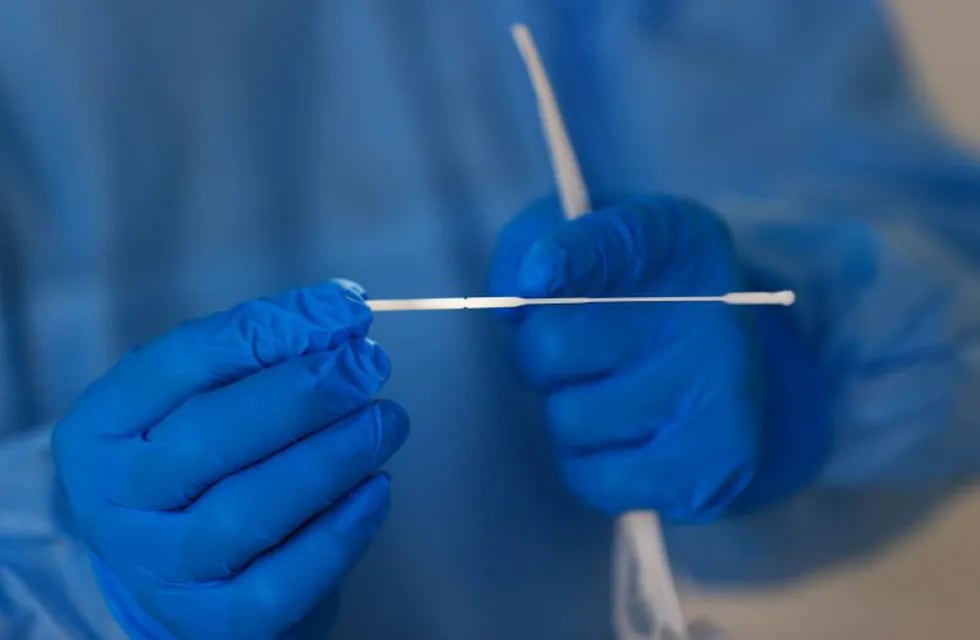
[693, 410]
[224, 475]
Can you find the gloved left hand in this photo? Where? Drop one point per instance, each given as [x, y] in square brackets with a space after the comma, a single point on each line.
[664, 406]
[225, 474]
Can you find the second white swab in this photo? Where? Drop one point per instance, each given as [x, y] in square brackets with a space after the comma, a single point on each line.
[641, 571]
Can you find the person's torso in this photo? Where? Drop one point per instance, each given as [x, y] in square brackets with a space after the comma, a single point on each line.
[171, 160]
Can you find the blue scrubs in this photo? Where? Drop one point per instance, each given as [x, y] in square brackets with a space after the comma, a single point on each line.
[160, 161]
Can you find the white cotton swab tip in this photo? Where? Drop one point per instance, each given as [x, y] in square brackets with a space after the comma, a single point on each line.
[783, 298]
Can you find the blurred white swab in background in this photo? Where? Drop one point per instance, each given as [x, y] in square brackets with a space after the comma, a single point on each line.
[645, 602]
[568, 174]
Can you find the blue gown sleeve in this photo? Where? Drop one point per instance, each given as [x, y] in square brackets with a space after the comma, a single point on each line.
[885, 257]
[47, 586]
[887, 271]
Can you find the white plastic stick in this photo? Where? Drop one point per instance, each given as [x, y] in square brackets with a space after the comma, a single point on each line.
[639, 542]
[783, 298]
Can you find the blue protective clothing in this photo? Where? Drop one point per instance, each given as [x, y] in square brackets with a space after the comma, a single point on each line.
[208, 467]
[234, 150]
[667, 407]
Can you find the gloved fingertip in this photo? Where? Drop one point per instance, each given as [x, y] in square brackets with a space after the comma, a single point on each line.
[542, 271]
[394, 422]
[354, 298]
[351, 290]
[380, 361]
[711, 501]
[361, 363]
[366, 507]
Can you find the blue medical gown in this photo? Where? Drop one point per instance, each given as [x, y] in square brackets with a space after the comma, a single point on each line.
[163, 160]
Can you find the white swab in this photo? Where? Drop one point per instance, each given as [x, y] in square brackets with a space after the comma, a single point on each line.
[784, 298]
[639, 546]
[568, 175]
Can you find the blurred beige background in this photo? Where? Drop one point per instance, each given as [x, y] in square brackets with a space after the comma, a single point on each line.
[928, 585]
[942, 40]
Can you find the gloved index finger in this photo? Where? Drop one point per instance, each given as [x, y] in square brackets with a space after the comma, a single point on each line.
[622, 249]
[588, 256]
[218, 349]
[538, 220]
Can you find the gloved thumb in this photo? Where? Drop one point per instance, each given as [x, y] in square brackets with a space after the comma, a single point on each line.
[622, 249]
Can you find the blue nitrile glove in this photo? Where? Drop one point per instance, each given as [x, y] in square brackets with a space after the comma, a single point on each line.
[225, 475]
[694, 410]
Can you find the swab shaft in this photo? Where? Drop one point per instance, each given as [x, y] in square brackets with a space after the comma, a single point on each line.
[783, 298]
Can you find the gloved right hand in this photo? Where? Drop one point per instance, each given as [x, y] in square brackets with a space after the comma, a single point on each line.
[224, 475]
